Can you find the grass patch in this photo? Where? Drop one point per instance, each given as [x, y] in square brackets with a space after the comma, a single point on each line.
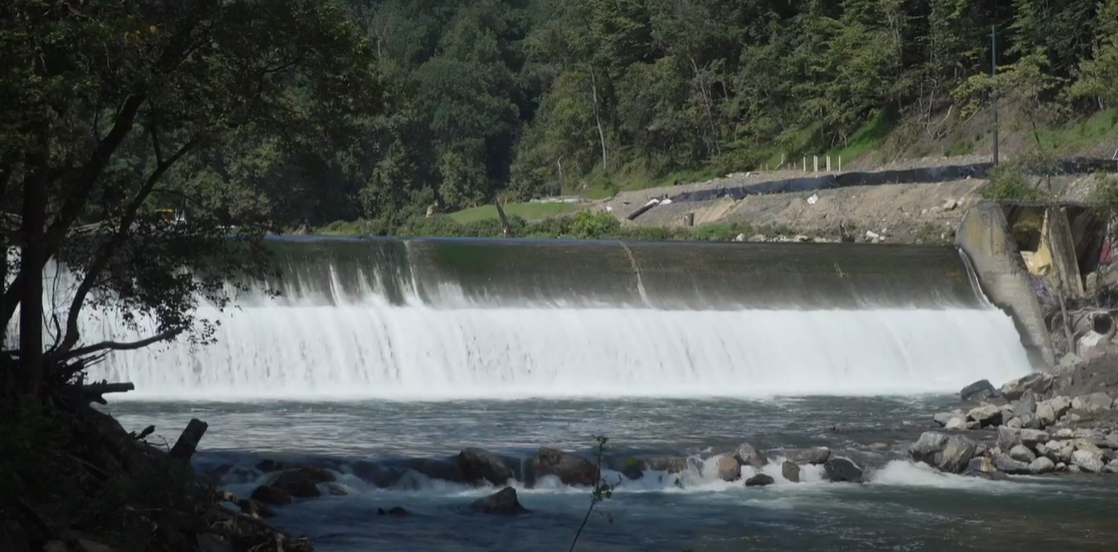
[864, 140]
[1081, 134]
[526, 211]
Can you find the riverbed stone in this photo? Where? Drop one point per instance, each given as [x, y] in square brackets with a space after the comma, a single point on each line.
[1059, 405]
[978, 391]
[728, 468]
[790, 471]
[1059, 451]
[839, 469]
[670, 464]
[942, 418]
[813, 455]
[748, 455]
[986, 415]
[1112, 467]
[956, 454]
[1088, 461]
[759, 480]
[1041, 465]
[1005, 463]
[481, 465]
[255, 508]
[980, 465]
[929, 448]
[303, 482]
[1021, 453]
[1095, 402]
[503, 502]
[570, 469]
[1014, 423]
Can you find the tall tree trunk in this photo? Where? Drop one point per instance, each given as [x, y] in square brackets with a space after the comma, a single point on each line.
[708, 103]
[598, 117]
[31, 268]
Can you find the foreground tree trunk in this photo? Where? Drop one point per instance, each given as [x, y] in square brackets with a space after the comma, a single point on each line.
[32, 259]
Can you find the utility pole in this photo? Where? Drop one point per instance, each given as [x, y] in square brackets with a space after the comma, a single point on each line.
[993, 73]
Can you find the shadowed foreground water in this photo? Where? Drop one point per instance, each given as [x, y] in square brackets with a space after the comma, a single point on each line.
[903, 507]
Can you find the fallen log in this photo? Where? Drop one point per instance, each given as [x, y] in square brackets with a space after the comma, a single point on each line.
[94, 392]
[188, 442]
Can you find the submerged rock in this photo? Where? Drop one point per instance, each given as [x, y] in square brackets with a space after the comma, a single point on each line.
[670, 464]
[842, 470]
[271, 495]
[502, 502]
[255, 508]
[748, 455]
[814, 455]
[570, 469]
[759, 480]
[481, 465]
[728, 468]
[790, 471]
[978, 391]
[303, 482]
[437, 468]
[395, 511]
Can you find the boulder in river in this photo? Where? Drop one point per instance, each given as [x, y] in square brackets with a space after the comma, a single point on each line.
[303, 482]
[728, 468]
[1112, 467]
[502, 502]
[1032, 437]
[813, 455]
[1088, 461]
[748, 455]
[986, 415]
[670, 464]
[437, 468]
[929, 448]
[958, 423]
[570, 469]
[759, 480]
[255, 508]
[395, 511]
[1041, 465]
[790, 471]
[1008, 438]
[481, 465]
[271, 495]
[842, 470]
[956, 454]
[1059, 451]
[978, 391]
[1026, 405]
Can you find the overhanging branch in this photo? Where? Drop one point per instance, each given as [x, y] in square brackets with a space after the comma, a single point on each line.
[116, 346]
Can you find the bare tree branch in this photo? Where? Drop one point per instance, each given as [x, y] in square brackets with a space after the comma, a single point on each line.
[117, 346]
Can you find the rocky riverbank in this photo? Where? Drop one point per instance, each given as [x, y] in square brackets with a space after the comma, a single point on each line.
[1065, 421]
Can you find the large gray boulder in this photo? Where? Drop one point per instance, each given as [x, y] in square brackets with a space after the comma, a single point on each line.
[1041, 465]
[1095, 402]
[1021, 453]
[570, 469]
[759, 480]
[1059, 451]
[1025, 406]
[1008, 465]
[1008, 438]
[986, 415]
[956, 454]
[842, 470]
[1033, 437]
[503, 502]
[790, 471]
[1088, 461]
[748, 455]
[265, 494]
[929, 448]
[978, 391]
[1051, 410]
[728, 468]
[1039, 383]
[814, 455]
[481, 465]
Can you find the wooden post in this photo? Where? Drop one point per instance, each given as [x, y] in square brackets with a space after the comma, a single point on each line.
[689, 219]
[840, 163]
[805, 163]
[188, 442]
[815, 163]
[828, 163]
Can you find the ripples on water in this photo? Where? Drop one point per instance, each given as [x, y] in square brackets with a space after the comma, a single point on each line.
[903, 507]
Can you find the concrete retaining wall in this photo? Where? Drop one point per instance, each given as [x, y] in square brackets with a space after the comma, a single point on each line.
[985, 237]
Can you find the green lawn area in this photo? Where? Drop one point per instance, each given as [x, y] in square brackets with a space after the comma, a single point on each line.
[526, 211]
[1082, 134]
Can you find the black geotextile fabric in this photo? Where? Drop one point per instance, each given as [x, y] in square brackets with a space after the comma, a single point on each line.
[924, 175]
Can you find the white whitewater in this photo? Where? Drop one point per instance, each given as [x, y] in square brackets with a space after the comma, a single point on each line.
[367, 348]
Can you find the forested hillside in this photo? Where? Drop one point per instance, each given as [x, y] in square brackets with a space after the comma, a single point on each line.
[528, 97]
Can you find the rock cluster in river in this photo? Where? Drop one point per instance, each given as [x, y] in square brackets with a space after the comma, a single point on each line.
[1031, 426]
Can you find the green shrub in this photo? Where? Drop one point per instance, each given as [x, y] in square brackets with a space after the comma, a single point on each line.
[1010, 182]
[587, 225]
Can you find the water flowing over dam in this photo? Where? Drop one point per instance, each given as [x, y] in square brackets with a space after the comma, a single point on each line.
[452, 319]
